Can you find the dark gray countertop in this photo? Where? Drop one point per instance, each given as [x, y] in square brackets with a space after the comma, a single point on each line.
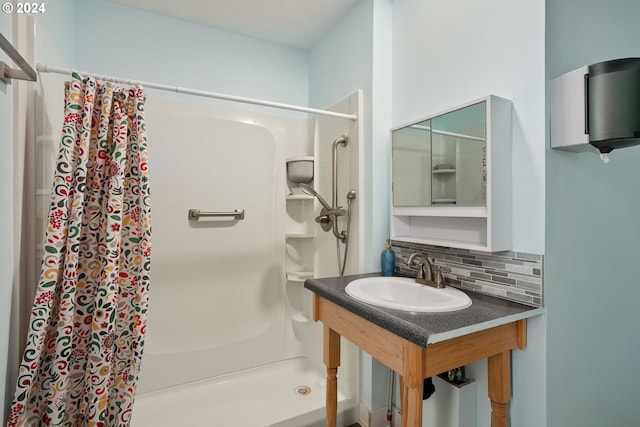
[421, 328]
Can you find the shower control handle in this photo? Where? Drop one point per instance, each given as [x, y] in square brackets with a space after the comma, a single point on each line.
[323, 219]
[337, 211]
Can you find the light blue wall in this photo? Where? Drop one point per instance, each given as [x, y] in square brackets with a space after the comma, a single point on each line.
[340, 63]
[6, 218]
[356, 55]
[380, 158]
[56, 34]
[591, 271]
[447, 53]
[122, 41]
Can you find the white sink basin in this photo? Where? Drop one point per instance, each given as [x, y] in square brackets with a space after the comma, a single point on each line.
[402, 293]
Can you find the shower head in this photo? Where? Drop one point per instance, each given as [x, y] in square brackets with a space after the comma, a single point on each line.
[310, 191]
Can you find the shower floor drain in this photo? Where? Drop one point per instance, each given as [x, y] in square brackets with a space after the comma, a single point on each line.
[302, 390]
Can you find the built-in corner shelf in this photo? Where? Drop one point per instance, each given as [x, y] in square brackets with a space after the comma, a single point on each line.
[299, 158]
[299, 240]
[300, 318]
[440, 171]
[300, 219]
[299, 197]
[300, 235]
[299, 276]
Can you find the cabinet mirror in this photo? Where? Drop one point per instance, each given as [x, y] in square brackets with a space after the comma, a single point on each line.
[441, 160]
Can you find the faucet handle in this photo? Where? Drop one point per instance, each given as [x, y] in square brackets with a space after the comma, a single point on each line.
[440, 268]
[438, 277]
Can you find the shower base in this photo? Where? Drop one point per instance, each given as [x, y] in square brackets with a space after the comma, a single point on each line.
[289, 393]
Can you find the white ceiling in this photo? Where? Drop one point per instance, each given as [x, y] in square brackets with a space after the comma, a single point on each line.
[295, 23]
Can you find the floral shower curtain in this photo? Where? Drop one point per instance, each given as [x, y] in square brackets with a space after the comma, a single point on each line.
[86, 332]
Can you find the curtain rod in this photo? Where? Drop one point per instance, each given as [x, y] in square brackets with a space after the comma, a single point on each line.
[48, 69]
[24, 73]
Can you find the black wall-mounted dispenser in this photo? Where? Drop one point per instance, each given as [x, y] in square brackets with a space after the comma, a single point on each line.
[613, 100]
[597, 107]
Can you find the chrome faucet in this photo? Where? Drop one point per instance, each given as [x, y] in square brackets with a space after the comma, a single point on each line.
[425, 272]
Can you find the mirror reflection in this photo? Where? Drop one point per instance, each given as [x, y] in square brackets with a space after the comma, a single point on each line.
[441, 160]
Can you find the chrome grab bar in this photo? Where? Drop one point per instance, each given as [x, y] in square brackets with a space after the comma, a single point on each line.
[195, 214]
[24, 73]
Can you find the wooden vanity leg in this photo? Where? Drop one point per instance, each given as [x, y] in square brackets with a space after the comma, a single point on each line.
[331, 358]
[411, 383]
[499, 370]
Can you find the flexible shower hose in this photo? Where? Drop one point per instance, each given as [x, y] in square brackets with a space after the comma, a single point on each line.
[347, 235]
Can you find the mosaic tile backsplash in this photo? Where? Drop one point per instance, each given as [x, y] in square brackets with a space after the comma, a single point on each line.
[515, 276]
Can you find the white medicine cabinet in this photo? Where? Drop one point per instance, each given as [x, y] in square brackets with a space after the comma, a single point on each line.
[451, 177]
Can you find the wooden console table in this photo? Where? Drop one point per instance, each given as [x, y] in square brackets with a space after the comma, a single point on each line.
[414, 363]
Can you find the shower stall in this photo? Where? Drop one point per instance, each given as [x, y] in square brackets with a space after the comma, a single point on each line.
[230, 339]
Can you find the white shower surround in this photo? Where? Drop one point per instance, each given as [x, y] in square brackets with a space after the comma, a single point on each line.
[220, 302]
